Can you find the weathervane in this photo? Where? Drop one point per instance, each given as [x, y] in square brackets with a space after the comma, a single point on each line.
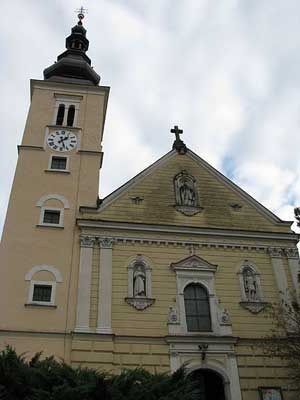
[81, 11]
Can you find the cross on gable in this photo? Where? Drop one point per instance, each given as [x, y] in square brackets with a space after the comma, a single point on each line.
[177, 132]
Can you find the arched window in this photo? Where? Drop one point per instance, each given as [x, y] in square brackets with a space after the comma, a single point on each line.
[197, 312]
[60, 114]
[42, 288]
[52, 214]
[71, 114]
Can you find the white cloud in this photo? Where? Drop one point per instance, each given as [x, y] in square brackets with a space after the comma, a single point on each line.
[227, 72]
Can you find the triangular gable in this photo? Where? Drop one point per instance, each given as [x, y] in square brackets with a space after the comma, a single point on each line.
[193, 263]
[111, 198]
[135, 180]
[262, 209]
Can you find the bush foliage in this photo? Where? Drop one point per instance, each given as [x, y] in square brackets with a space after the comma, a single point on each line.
[50, 379]
[284, 339]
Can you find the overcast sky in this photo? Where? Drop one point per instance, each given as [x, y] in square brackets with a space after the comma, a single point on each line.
[225, 71]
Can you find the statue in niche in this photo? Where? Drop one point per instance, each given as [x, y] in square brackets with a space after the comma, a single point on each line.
[139, 281]
[186, 194]
[250, 285]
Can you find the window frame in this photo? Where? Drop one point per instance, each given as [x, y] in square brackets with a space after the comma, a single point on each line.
[61, 216]
[67, 101]
[65, 205]
[58, 169]
[45, 283]
[196, 301]
[195, 269]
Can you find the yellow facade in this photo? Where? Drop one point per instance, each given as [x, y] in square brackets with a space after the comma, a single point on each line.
[95, 319]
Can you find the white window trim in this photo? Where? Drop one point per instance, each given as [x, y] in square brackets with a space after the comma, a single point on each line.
[198, 271]
[58, 197]
[48, 268]
[57, 278]
[67, 101]
[207, 281]
[57, 169]
[61, 216]
[51, 196]
[42, 303]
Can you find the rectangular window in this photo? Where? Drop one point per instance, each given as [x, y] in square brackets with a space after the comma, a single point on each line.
[51, 217]
[58, 163]
[42, 293]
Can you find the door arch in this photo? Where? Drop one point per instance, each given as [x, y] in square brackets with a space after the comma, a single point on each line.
[211, 384]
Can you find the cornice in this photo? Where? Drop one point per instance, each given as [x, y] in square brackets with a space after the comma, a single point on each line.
[67, 87]
[174, 229]
[28, 147]
[91, 152]
[192, 338]
[199, 244]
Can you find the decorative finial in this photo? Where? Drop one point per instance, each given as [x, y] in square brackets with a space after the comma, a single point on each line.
[81, 11]
[178, 143]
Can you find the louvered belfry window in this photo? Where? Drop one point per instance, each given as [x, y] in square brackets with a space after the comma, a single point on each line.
[60, 114]
[197, 311]
[71, 115]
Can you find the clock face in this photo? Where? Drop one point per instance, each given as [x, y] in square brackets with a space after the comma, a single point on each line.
[62, 140]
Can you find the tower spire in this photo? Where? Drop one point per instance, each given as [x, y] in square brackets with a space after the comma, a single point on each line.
[73, 65]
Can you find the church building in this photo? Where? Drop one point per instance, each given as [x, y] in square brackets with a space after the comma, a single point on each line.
[175, 267]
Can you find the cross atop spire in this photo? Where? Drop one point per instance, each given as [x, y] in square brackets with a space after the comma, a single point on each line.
[81, 11]
[178, 143]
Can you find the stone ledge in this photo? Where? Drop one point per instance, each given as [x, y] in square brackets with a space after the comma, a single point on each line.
[64, 171]
[140, 303]
[40, 305]
[254, 306]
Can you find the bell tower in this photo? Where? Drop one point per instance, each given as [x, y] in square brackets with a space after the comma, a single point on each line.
[57, 171]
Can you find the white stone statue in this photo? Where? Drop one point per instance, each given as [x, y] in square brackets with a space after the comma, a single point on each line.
[250, 286]
[139, 280]
[187, 194]
[173, 315]
[225, 319]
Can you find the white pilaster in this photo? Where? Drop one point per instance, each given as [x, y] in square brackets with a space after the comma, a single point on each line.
[105, 286]
[293, 261]
[278, 268]
[174, 361]
[235, 389]
[84, 284]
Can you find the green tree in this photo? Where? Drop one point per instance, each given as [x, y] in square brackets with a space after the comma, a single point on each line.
[50, 379]
[284, 340]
